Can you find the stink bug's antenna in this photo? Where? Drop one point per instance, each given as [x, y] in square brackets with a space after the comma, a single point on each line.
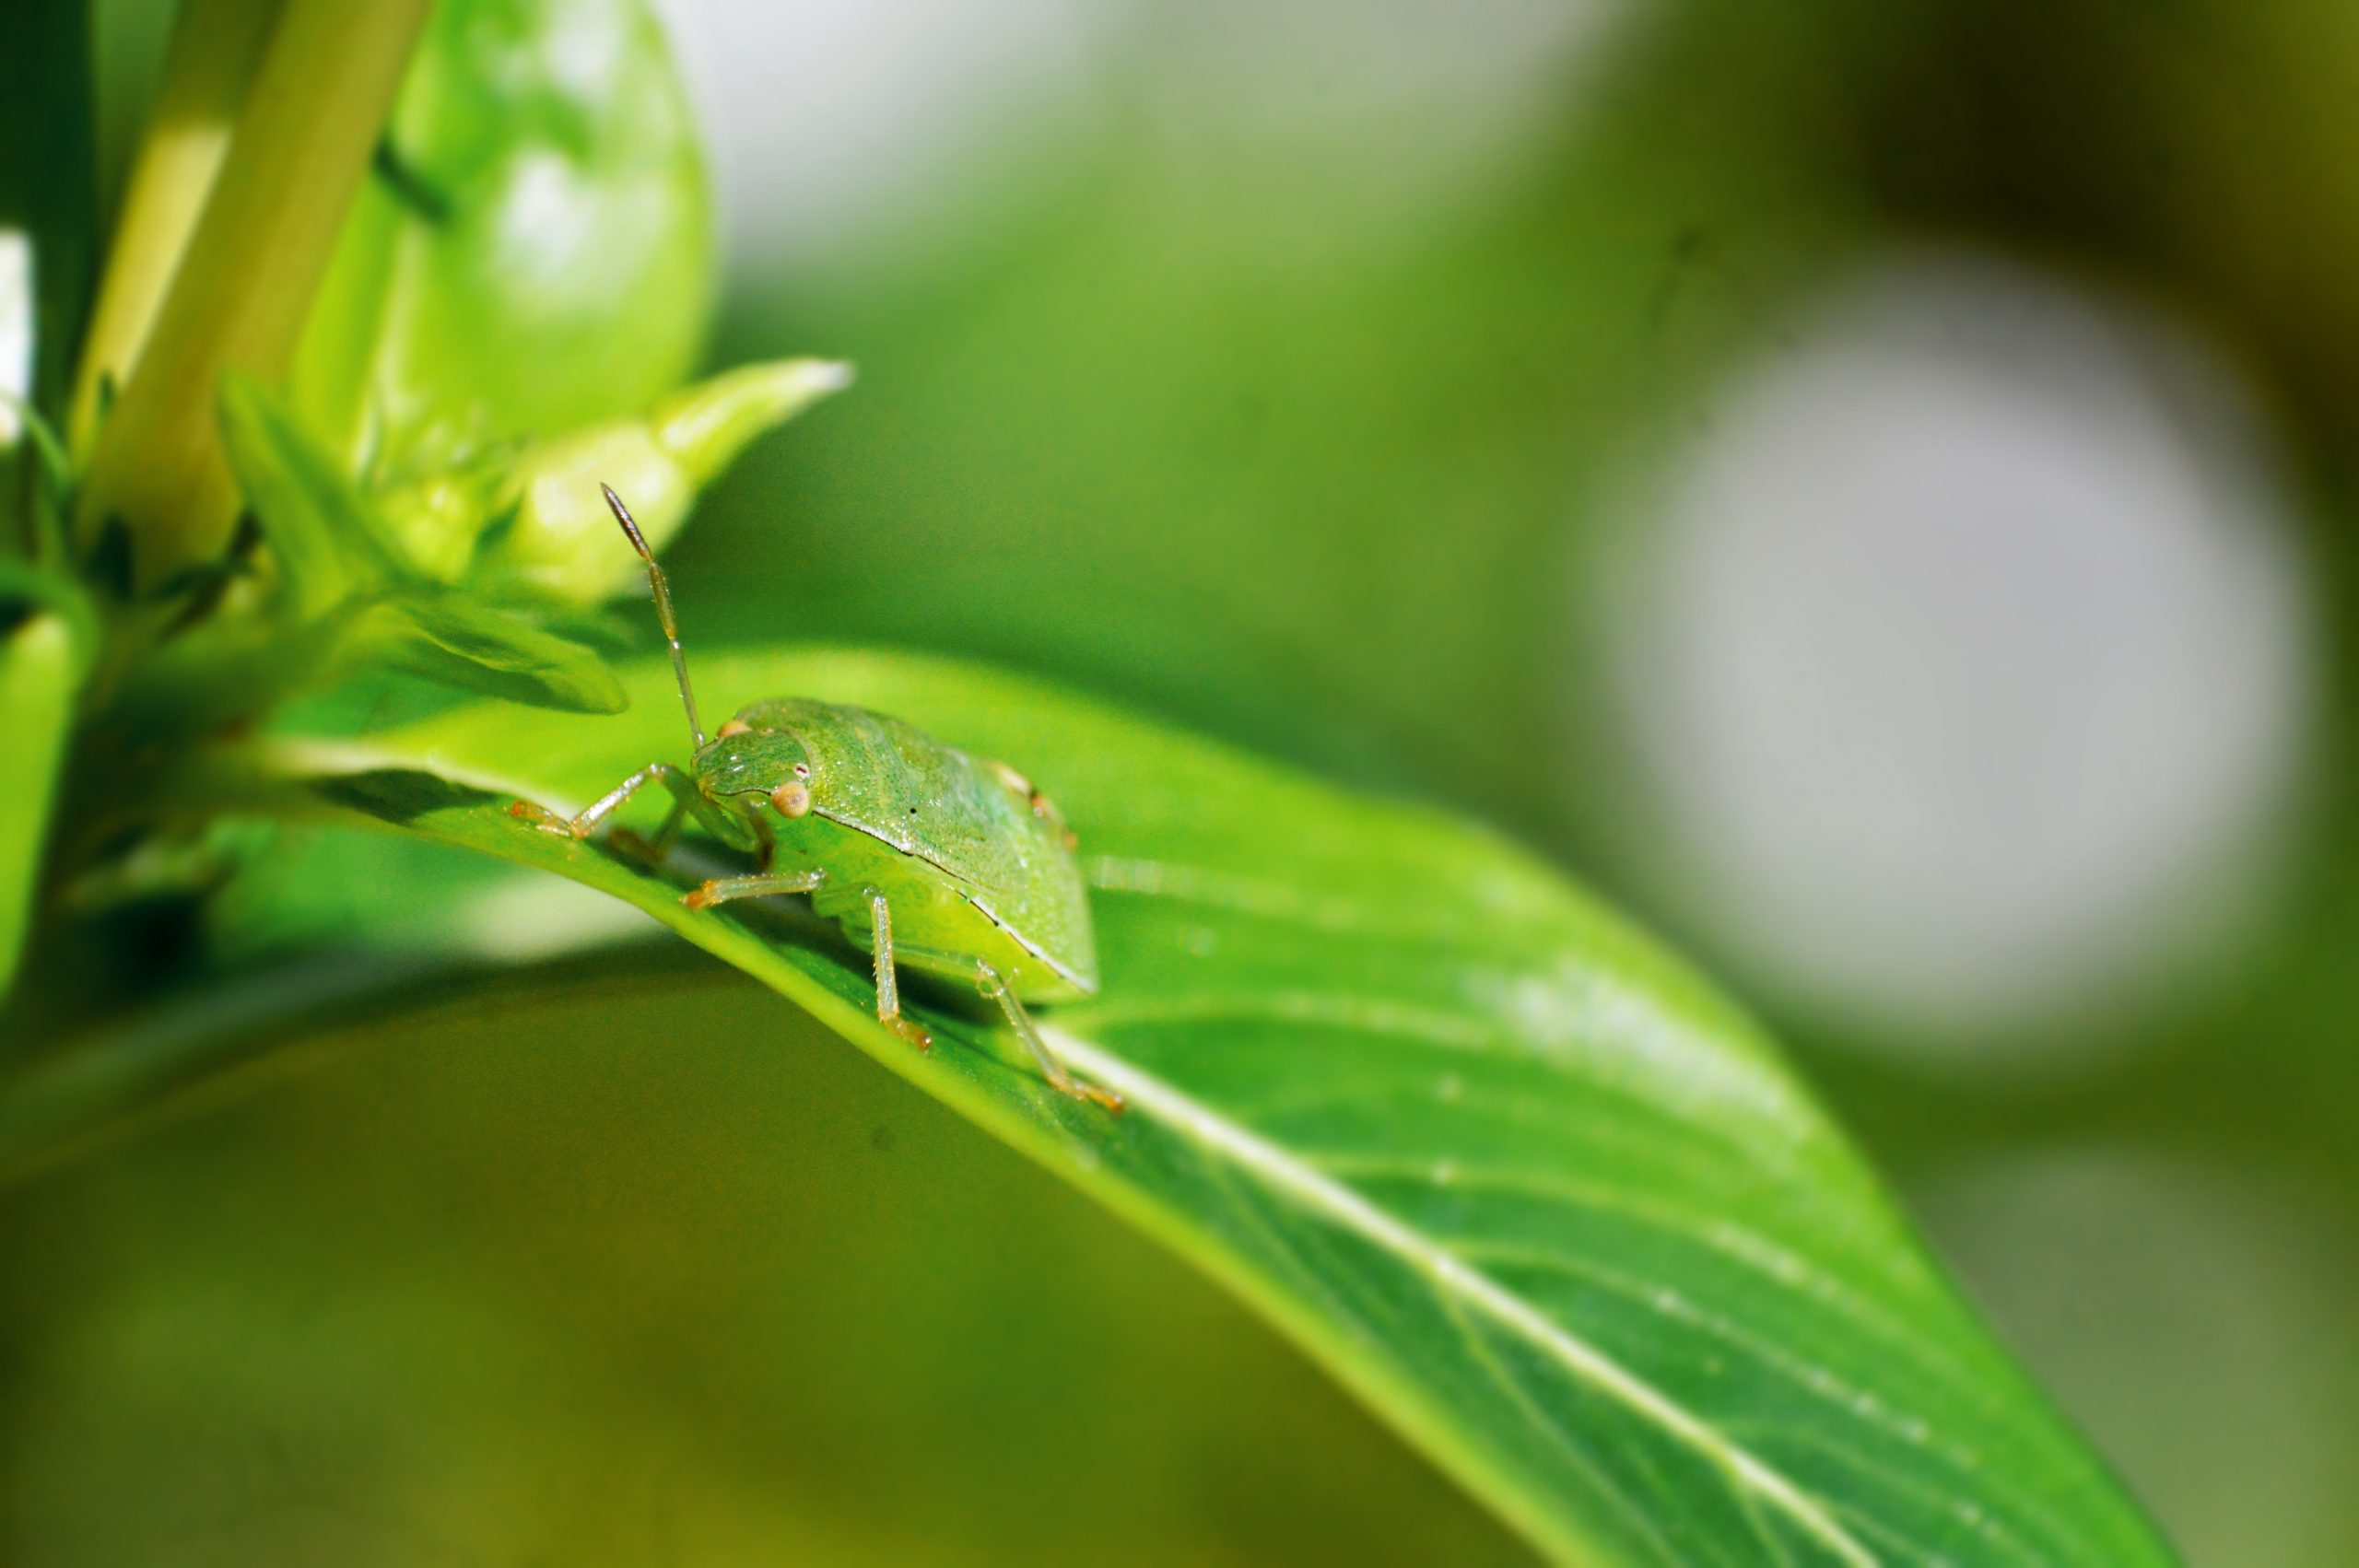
[663, 609]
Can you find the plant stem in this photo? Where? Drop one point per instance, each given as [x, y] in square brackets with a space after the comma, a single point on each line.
[240, 297]
[216, 46]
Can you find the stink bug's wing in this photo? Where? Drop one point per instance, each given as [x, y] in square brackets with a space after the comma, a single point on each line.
[898, 784]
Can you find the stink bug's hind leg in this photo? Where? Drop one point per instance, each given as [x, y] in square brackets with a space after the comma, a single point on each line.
[994, 986]
[888, 982]
[654, 850]
[1033, 797]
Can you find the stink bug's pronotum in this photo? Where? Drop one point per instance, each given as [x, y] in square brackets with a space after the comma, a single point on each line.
[931, 859]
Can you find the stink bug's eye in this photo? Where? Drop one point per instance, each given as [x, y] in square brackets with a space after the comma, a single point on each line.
[791, 800]
[735, 727]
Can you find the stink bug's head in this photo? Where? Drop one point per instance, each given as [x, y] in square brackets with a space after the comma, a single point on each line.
[750, 769]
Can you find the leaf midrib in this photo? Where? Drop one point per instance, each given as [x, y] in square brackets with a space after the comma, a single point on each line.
[1309, 1188]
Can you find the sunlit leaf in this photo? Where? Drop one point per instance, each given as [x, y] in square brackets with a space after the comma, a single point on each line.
[1518, 1177]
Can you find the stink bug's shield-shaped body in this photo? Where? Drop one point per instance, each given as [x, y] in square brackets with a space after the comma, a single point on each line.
[931, 859]
[974, 869]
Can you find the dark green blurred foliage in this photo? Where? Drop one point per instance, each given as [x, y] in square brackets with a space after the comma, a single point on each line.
[49, 174]
[649, 1269]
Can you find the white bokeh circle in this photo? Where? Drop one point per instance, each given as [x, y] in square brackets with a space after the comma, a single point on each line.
[1963, 650]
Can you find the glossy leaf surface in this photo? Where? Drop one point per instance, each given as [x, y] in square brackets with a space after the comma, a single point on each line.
[1516, 1175]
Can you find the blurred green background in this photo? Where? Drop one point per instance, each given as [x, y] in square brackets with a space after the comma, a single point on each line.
[1868, 485]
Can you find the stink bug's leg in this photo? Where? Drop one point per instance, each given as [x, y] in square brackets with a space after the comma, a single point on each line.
[724, 889]
[661, 844]
[686, 798]
[994, 986]
[889, 983]
[607, 805]
[652, 851]
[1042, 807]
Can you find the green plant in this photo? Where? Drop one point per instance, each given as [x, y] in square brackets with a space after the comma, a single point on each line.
[306, 545]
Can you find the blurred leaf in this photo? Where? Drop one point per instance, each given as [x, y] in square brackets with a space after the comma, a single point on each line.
[1517, 1178]
[639, 1208]
[483, 648]
[308, 889]
[325, 535]
[39, 672]
[25, 584]
[37, 475]
[534, 251]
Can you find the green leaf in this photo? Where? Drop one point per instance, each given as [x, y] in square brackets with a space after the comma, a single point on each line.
[534, 252]
[1520, 1179]
[483, 648]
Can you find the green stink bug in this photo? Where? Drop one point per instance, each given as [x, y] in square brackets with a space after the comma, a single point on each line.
[931, 859]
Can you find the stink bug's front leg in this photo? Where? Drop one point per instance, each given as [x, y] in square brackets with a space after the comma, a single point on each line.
[722, 889]
[684, 793]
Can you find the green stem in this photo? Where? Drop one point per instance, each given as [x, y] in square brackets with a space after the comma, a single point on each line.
[239, 298]
[214, 49]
